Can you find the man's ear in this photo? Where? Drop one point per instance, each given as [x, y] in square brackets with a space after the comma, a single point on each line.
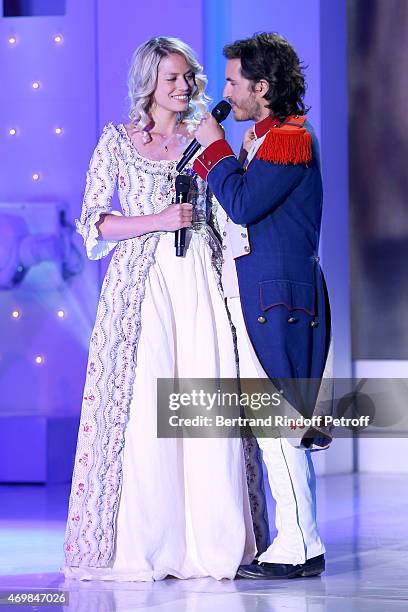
[262, 87]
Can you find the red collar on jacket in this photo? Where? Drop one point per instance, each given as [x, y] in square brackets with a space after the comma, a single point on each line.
[262, 127]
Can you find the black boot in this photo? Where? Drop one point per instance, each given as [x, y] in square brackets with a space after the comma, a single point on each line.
[276, 571]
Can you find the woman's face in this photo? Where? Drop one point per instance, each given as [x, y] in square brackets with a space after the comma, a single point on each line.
[175, 83]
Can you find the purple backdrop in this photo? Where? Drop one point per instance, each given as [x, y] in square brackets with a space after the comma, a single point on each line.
[82, 86]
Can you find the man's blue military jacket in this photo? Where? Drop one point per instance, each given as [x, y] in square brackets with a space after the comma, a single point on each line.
[279, 199]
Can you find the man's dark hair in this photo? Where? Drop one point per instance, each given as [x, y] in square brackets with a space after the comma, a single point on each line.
[269, 56]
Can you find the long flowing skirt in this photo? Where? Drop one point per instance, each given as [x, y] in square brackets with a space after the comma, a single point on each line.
[184, 508]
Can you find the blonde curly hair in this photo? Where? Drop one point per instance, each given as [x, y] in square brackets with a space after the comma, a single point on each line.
[142, 80]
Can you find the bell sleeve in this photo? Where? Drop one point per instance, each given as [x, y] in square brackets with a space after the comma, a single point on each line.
[101, 180]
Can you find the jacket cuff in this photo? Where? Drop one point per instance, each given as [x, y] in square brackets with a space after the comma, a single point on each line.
[210, 157]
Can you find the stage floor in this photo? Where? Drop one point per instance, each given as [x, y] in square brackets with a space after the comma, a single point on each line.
[363, 522]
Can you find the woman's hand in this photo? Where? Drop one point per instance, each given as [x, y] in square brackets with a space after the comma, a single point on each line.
[174, 217]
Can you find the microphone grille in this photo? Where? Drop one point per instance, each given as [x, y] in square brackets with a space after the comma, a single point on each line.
[183, 183]
[221, 111]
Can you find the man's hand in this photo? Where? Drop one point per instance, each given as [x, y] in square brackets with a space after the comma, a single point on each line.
[247, 143]
[208, 131]
[249, 138]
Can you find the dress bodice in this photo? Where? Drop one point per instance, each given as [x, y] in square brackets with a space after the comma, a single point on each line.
[147, 186]
[144, 187]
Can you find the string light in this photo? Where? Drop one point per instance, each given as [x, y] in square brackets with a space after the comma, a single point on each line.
[12, 40]
[58, 130]
[35, 85]
[58, 39]
[61, 314]
[35, 176]
[12, 131]
[39, 359]
[16, 314]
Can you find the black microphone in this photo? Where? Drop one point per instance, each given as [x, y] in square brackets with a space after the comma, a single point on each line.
[220, 112]
[182, 188]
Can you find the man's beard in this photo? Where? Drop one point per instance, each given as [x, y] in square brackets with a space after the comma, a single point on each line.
[251, 111]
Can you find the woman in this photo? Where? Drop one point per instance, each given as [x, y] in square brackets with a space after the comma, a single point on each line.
[142, 508]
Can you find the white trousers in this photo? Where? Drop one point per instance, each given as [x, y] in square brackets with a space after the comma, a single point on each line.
[290, 473]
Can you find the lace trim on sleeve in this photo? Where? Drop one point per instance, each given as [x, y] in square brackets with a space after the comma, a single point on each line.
[101, 182]
[96, 247]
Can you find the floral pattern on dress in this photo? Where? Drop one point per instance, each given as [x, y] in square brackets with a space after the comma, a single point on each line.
[144, 187]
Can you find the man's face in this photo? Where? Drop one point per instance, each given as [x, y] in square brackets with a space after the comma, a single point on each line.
[238, 91]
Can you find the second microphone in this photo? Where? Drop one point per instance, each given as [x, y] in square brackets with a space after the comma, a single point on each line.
[183, 182]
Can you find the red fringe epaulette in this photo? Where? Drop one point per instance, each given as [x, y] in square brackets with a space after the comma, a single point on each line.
[287, 143]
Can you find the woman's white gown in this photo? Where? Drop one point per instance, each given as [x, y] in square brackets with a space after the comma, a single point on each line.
[184, 508]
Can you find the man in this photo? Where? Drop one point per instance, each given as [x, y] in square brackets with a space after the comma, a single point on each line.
[282, 318]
